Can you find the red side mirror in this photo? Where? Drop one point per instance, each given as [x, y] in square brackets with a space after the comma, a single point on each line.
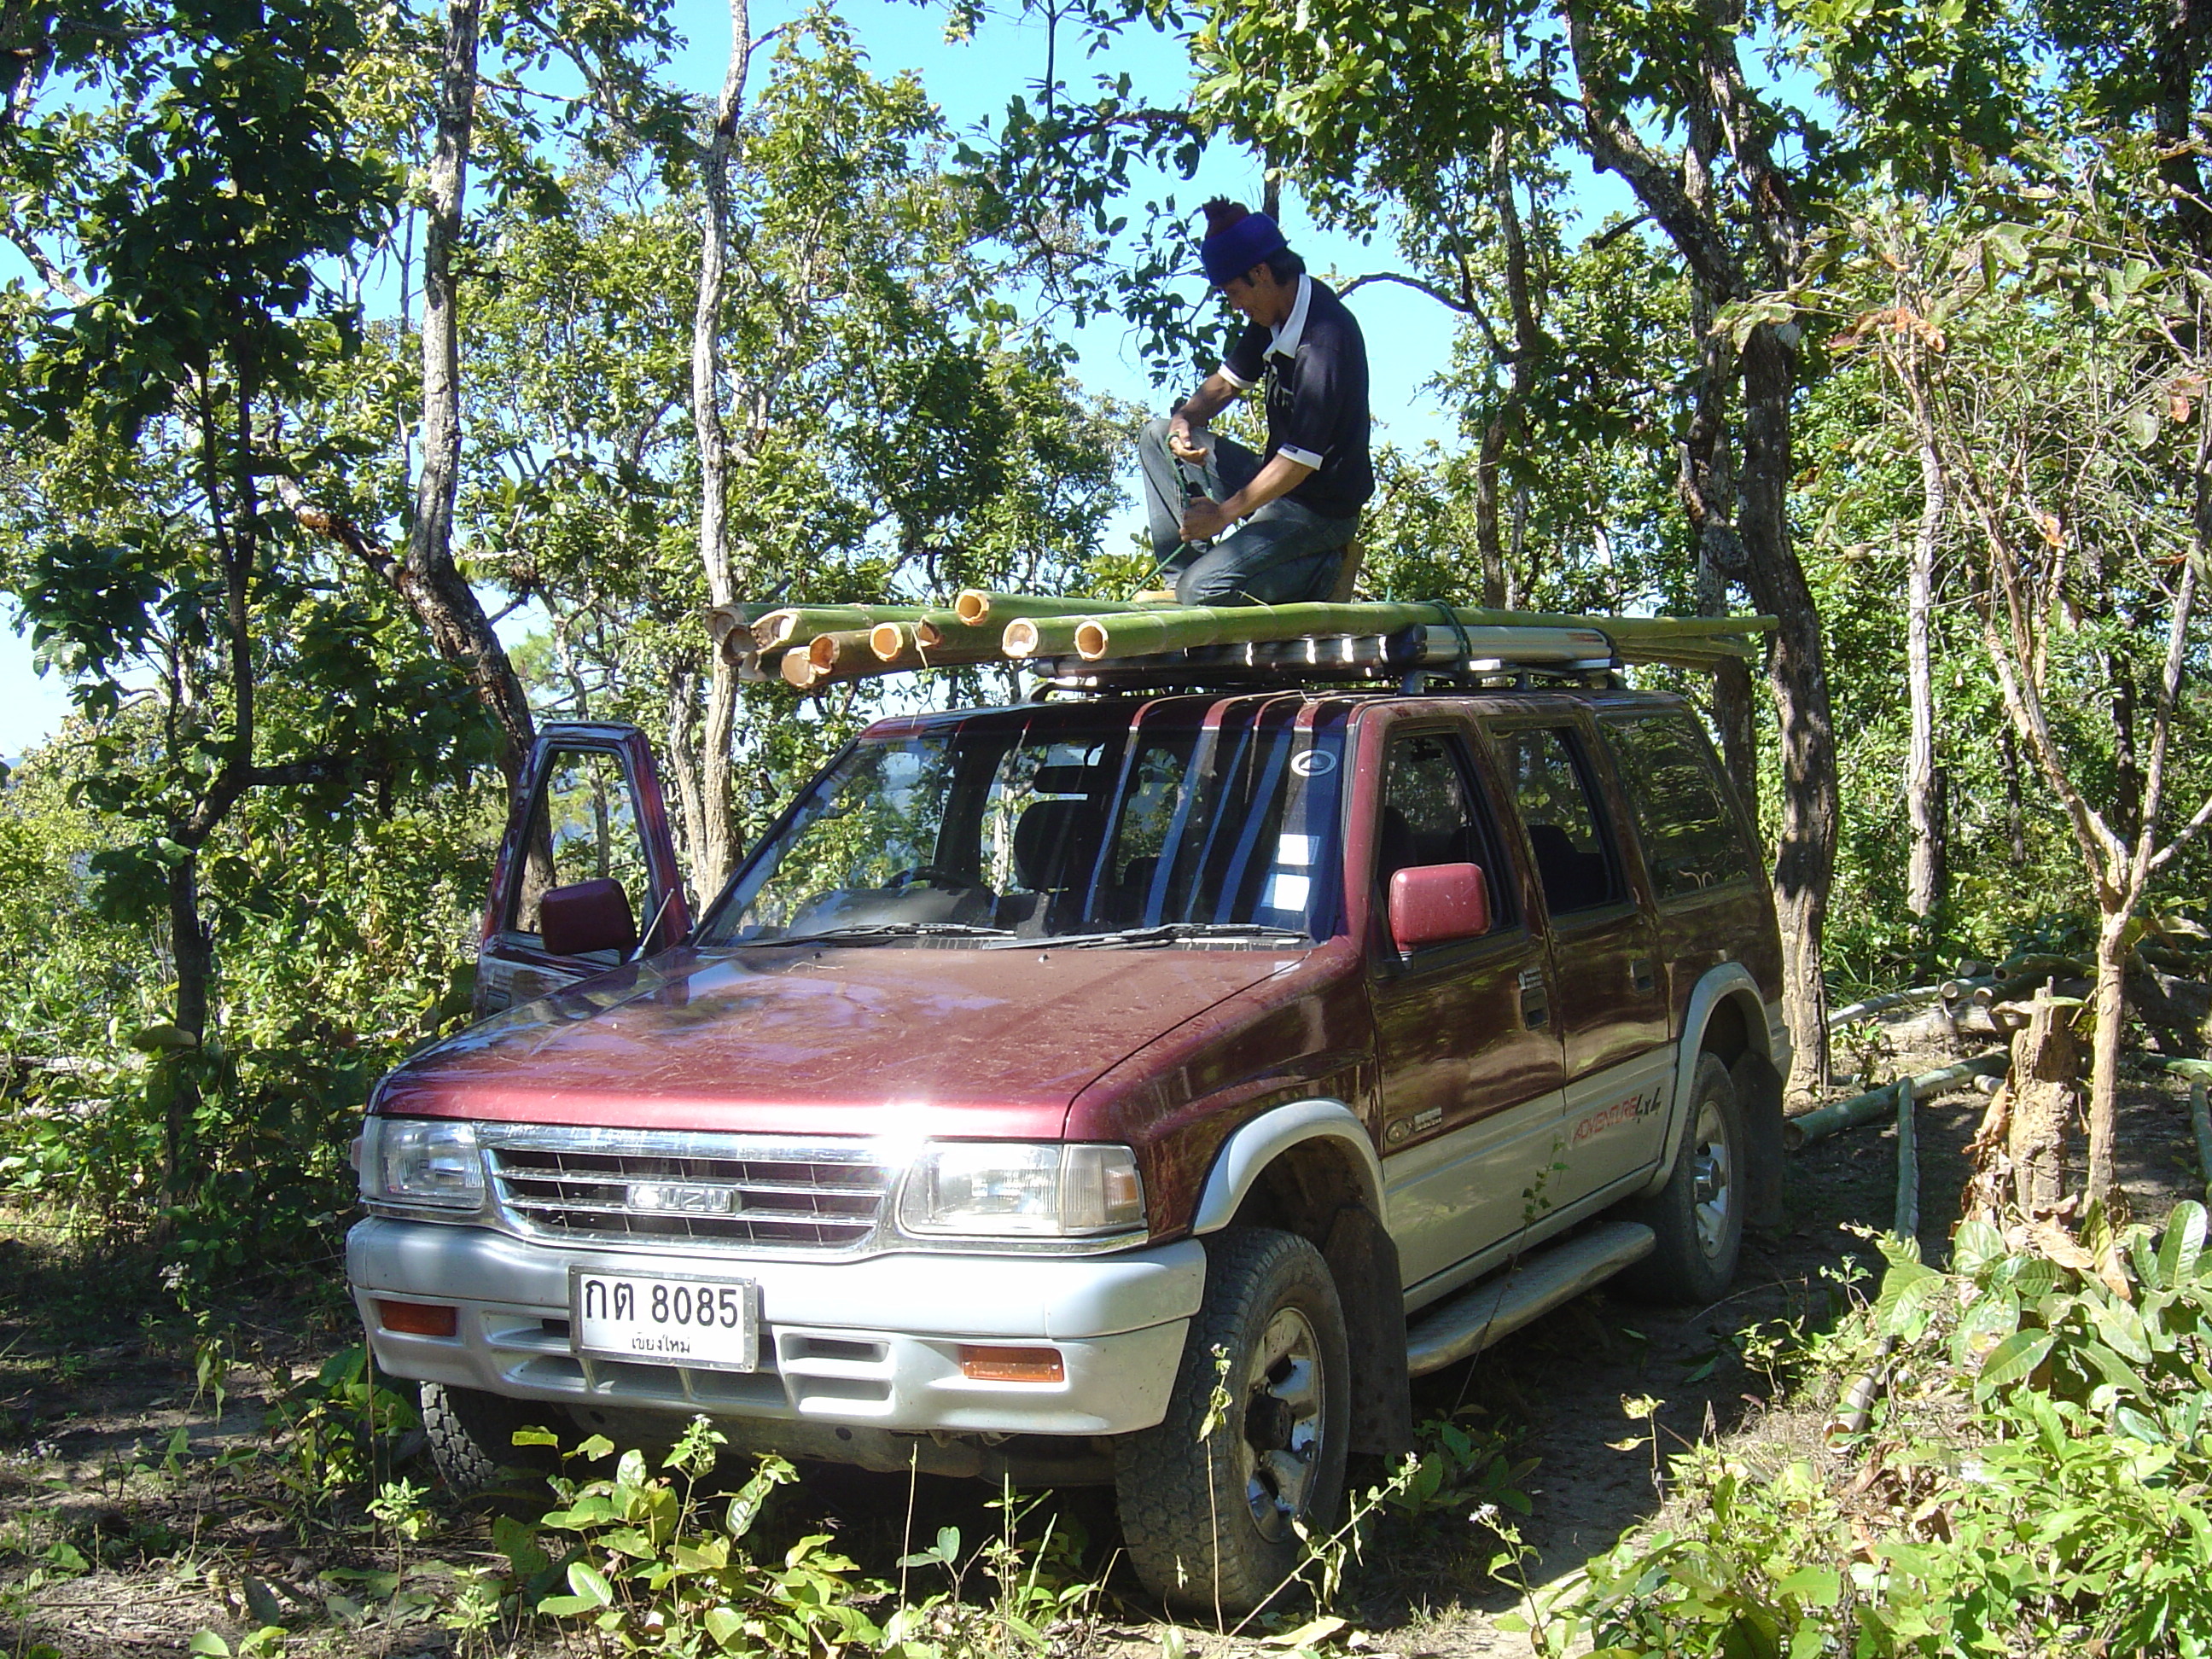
[590, 915]
[1432, 903]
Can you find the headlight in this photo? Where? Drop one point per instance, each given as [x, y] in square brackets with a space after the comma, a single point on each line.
[997, 1189]
[422, 1161]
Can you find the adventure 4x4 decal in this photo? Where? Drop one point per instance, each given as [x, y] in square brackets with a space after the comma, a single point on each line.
[1621, 1111]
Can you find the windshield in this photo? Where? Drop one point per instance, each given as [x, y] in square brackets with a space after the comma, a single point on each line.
[1198, 818]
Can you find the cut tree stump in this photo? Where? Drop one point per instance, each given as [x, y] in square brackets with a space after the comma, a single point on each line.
[2044, 1088]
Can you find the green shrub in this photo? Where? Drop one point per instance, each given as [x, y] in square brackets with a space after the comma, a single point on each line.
[2035, 1483]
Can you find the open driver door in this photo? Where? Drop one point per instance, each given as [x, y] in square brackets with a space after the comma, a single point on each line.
[586, 877]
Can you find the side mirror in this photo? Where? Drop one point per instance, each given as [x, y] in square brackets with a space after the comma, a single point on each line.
[1433, 903]
[590, 915]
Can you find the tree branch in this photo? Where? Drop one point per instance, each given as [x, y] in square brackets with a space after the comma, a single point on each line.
[1420, 286]
[1616, 147]
[49, 273]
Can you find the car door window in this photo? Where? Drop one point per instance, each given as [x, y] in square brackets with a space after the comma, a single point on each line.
[1431, 815]
[584, 827]
[1559, 806]
[1689, 833]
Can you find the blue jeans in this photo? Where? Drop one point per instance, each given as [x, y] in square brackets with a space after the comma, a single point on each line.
[1284, 554]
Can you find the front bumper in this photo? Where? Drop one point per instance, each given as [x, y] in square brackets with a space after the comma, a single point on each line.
[871, 1344]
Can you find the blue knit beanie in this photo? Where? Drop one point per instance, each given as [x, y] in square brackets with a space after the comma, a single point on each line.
[1235, 249]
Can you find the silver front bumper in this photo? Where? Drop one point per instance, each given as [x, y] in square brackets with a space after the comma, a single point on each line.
[872, 1344]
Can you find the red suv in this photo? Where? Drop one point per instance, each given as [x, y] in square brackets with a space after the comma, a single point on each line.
[1041, 1054]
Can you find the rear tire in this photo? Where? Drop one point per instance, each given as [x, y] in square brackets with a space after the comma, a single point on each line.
[1208, 1522]
[471, 1436]
[1699, 1214]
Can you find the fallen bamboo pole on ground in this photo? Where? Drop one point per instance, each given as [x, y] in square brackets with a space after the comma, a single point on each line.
[2200, 1119]
[1803, 1131]
[1908, 1162]
[1881, 1004]
[2200, 1069]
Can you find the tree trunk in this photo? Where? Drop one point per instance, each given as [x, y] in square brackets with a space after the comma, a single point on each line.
[1923, 806]
[192, 951]
[1805, 855]
[683, 750]
[2105, 1050]
[2046, 1066]
[1490, 548]
[2184, 31]
[715, 849]
[428, 580]
[1706, 483]
[2015, 802]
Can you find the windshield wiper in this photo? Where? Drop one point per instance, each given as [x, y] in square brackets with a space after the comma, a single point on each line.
[888, 930]
[1166, 932]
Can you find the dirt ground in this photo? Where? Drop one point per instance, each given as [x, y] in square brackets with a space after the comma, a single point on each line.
[122, 1532]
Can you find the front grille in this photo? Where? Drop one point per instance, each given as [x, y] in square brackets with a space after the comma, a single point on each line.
[639, 1186]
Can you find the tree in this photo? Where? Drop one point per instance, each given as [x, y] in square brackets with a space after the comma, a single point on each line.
[158, 380]
[2052, 348]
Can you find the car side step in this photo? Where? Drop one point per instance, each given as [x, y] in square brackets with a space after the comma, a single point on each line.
[1513, 1295]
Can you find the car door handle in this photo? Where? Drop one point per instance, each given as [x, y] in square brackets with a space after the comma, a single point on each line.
[1535, 999]
[1640, 974]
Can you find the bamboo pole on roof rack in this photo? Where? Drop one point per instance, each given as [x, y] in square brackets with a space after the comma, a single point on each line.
[833, 659]
[978, 604]
[794, 625]
[933, 638]
[1145, 632]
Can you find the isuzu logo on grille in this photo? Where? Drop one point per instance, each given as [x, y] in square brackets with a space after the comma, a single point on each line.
[680, 1198]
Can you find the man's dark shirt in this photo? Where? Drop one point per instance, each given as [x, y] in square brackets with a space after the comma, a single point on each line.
[1315, 370]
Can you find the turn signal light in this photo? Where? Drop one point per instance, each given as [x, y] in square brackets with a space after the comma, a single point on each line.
[419, 1318]
[1012, 1364]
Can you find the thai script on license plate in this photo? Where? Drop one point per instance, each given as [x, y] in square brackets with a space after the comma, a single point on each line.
[654, 1318]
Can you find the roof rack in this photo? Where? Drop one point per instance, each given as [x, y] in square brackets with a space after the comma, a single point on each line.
[1085, 644]
[1410, 659]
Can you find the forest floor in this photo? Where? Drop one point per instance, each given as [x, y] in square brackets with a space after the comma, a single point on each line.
[134, 1516]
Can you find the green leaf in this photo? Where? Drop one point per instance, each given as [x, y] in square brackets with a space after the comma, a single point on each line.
[724, 1626]
[2182, 1247]
[519, 1544]
[2015, 1358]
[1816, 1586]
[208, 1642]
[588, 1582]
[536, 1438]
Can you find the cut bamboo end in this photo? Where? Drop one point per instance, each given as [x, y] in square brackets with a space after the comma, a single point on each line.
[1090, 640]
[973, 606]
[773, 631]
[799, 669]
[890, 641]
[1020, 638]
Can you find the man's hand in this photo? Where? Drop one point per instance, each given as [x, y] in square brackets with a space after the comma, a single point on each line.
[1184, 441]
[1203, 519]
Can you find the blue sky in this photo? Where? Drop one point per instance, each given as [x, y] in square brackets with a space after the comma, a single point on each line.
[1408, 335]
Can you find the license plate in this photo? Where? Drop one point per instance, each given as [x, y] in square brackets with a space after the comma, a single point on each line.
[660, 1319]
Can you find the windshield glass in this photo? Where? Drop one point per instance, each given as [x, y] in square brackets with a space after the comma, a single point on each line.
[1208, 817]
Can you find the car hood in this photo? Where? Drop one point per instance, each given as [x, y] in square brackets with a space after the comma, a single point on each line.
[876, 1039]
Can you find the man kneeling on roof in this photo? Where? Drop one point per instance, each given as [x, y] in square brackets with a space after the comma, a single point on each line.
[1294, 510]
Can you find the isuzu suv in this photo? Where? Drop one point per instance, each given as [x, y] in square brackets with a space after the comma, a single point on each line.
[1041, 1053]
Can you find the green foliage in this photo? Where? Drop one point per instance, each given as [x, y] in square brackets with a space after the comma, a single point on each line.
[2035, 1483]
[652, 1567]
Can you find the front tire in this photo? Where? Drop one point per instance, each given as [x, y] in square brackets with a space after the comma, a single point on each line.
[1699, 1214]
[1211, 1522]
[471, 1436]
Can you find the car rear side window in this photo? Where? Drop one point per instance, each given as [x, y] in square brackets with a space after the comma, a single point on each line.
[1431, 816]
[1689, 836]
[1567, 837]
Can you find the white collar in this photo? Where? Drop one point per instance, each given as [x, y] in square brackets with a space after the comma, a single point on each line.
[1286, 338]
